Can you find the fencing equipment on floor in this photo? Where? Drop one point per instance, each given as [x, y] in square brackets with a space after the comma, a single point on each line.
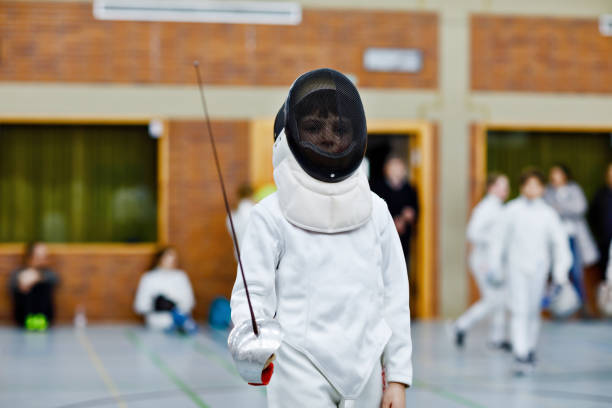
[531, 240]
[322, 255]
[172, 284]
[492, 297]
[564, 301]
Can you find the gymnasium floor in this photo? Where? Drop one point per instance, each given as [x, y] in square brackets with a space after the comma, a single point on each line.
[125, 366]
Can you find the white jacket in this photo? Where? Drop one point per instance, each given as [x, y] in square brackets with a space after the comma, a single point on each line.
[480, 229]
[171, 283]
[571, 205]
[240, 216]
[530, 239]
[341, 299]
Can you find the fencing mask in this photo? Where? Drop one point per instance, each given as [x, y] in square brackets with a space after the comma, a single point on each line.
[320, 140]
[325, 125]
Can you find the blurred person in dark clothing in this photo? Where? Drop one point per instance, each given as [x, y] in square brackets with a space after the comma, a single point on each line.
[601, 218]
[32, 289]
[402, 200]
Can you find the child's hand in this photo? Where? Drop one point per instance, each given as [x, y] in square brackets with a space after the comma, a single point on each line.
[394, 396]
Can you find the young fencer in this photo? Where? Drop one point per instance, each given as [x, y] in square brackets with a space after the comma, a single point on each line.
[323, 265]
[529, 240]
[492, 297]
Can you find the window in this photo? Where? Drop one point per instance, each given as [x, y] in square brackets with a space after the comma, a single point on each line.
[77, 183]
[587, 154]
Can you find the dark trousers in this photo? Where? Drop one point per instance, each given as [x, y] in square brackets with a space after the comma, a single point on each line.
[39, 300]
[576, 270]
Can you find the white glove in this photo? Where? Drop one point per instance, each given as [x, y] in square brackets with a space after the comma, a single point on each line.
[252, 354]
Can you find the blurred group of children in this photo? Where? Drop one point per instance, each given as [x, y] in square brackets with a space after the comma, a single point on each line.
[526, 254]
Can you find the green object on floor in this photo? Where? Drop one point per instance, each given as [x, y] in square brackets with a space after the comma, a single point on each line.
[36, 322]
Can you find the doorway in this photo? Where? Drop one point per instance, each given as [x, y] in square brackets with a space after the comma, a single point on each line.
[420, 149]
[511, 148]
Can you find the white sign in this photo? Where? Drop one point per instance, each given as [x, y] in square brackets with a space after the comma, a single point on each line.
[393, 60]
[605, 24]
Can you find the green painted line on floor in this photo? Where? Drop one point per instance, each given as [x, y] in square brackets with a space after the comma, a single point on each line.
[159, 363]
[447, 394]
[210, 354]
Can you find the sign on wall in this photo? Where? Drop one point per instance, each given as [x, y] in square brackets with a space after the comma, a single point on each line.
[393, 60]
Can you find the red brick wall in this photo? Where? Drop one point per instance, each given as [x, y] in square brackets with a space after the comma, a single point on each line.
[539, 54]
[62, 42]
[104, 283]
[196, 211]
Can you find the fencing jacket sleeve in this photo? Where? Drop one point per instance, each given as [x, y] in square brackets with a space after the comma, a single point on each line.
[485, 214]
[561, 253]
[261, 251]
[498, 243]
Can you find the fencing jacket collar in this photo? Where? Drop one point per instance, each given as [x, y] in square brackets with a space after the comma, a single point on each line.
[315, 205]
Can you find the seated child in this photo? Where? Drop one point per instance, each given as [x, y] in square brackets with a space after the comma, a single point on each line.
[164, 295]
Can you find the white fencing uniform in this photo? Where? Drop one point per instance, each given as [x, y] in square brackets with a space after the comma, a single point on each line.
[298, 383]
[530, 240]
[492, 298]
[342, 302]
[240, 216]
[323, 262]
[170, 283]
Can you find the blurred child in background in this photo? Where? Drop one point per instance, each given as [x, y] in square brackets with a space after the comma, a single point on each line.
[32, 289]
[165, 296]
[530, 238]
[480, 234]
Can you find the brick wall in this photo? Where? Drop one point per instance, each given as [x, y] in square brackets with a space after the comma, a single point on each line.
[62, 42]
[196, 211]
[539, 54]
[104, 283]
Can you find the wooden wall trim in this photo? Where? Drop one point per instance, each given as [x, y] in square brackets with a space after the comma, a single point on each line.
[65, 249]
[478, 175]
[163, 178]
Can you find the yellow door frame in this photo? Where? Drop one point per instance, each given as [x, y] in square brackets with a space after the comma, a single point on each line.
[423, 169]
